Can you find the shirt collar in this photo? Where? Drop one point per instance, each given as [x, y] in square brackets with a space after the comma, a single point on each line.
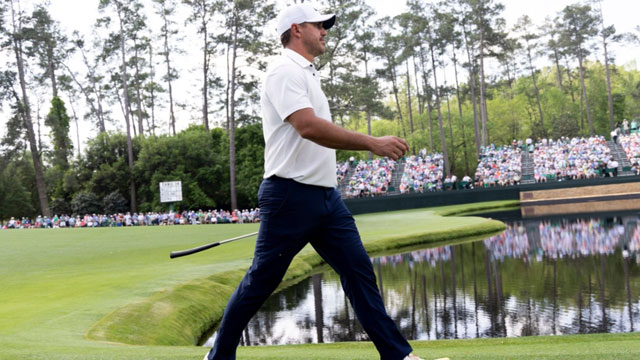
[297, 58]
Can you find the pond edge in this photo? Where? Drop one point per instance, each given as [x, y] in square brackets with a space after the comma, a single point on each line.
[181, 315]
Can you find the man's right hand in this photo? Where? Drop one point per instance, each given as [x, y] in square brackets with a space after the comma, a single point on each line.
[390, 146]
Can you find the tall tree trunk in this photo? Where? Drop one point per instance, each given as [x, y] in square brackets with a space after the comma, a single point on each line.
[228, 89]
[608, 74]
[472, 88]
[427, 96]
[96, 91]
[453, 145]
[418, 95]
[395, 94]
[452, 149]
[232, 126]
[102, 125]
[205, 70]
[606, 67]
[584, 92]
[75, 120]
[409, 98]
[570, 77]
[333, 97]
[507, 70]
[558, 68]
[152, 94]
[429, 117]
[464, 137]
[138, 86]
[122, 107]
[368, 112]
[127, 116]
[367, 109]
[38, 123]
[515, 126]
[445, 154]
[172, 118]
[483, 104]
[52, 72]
[26, 115]
[536, 92]
[147, 119]
[486, 116]
[133, 124]
[581, 110]
[409, 102]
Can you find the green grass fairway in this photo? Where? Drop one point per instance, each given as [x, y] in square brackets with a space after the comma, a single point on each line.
[59, 286]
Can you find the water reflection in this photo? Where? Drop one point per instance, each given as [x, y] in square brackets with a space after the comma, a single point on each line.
[536, 278]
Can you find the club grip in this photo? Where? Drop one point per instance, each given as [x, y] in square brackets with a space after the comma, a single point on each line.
[175, 254]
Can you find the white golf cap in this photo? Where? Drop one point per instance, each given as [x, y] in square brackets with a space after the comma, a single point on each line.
[302, 13]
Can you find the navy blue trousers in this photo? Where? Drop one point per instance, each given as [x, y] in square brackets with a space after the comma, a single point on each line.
[291, 215]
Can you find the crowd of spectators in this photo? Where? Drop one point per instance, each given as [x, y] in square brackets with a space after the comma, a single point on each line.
[341, 170]
[499, 166]
[631, 145]
[423, 172]
[572, 159]
[137, 219]
[562, 159]
[370, 178]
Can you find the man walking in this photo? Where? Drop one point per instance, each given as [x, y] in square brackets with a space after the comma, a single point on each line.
[298, 200]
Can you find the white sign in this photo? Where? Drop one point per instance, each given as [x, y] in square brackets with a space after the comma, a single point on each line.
[171, 191]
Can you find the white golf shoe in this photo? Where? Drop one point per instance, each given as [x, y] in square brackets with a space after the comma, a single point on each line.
[416, 357]
[412, 357]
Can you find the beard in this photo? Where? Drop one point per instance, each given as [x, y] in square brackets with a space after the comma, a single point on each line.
[314, 46]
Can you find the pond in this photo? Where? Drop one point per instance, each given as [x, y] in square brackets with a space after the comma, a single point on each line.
[539, 277]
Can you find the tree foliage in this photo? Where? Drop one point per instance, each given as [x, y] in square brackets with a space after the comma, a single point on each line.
[17, 182]
[383, 76]
[86, 202]
[114, 203]
[58, 121]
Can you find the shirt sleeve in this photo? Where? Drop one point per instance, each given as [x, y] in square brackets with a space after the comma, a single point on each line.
[286, 88]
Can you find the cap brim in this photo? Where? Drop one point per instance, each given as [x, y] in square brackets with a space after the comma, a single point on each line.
[327, 20]
[328, 24]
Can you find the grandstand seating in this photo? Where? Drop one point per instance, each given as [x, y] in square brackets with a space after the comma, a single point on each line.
[499, 166]
[570, 158]
[342, 169]
[370, 178]
[631, 145]
[548, 160]
[422, 173]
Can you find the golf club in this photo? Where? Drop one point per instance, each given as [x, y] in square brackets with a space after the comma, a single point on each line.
[175, 254]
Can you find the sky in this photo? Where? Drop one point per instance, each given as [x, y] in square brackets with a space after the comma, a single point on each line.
[81, 14]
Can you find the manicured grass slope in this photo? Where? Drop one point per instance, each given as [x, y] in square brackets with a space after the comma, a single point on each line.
[179, 316]
[56, 286]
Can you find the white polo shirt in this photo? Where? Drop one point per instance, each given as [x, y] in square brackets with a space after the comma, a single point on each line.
[292, 84]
